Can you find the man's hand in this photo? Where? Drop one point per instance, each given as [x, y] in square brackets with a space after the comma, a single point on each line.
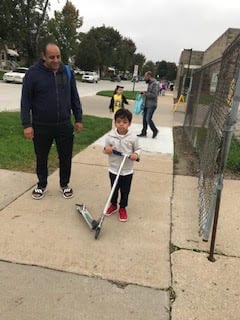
[28, 133]
[78, 127]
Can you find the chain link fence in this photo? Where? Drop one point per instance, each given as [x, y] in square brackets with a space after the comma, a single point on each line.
[210, 119]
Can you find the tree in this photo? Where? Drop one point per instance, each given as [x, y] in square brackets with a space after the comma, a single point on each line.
[21, 25]
[161, 69]
[107, 40]
[88, 55]
[171, 71]
[149, 66]
[166, 70]
[123, 54]
[7, 19]
[138, 59]
[63, 28]
[109, 48]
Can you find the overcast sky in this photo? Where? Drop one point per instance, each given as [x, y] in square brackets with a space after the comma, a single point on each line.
[161, 29]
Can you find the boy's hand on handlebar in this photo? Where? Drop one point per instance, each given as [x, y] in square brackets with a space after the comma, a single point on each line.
[108, 149]
[134, 156]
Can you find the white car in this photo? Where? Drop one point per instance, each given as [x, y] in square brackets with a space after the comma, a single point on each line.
[90, 76]
[16, 75]
[78, 71]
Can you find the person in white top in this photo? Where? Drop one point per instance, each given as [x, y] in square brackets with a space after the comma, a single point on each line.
[122, 140]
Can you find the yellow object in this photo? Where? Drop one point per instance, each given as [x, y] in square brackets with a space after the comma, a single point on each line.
[117, 102]
[181, 99]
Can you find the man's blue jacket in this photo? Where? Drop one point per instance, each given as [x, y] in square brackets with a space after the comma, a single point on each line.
[49, 98]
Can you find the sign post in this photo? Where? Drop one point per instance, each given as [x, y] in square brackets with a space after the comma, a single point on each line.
[135, 74]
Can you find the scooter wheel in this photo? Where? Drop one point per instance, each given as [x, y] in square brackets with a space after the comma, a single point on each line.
[97, 231]
[94, 224]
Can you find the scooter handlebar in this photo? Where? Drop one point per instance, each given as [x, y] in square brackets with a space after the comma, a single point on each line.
[119, 153]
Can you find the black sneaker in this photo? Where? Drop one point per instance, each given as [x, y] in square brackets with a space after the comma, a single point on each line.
[67, 192]
[141, 135]
[38, 193]
[155, 134]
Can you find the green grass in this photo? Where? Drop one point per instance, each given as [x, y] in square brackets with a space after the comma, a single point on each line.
[16, 152]
[130, 95]
[206, 99]
[1, 74]
[233, 161]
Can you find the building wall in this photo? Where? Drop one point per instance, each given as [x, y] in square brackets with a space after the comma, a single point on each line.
[191, 58]
[202, 58]
[196, 57]
[217, 48]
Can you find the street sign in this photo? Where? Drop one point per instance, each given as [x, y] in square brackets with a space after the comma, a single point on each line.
[135, 71]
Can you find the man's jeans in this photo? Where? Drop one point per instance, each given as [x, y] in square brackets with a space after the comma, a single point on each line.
[147, 119]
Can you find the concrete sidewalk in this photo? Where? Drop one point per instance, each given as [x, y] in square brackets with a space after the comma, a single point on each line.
[152, 267]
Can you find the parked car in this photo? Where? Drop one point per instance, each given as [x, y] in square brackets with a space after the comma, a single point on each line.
[115, 77]
[90, 76]
[123, 77]
[16, 75]
[135, 79]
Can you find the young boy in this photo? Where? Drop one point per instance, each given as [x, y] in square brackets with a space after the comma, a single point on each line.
[126, 142]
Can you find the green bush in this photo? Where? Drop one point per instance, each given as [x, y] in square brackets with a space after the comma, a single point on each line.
[233, 161]
[1, 74]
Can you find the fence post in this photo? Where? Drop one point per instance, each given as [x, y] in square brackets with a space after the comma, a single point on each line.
[231, 120]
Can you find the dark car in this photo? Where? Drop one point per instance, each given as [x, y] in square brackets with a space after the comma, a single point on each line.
[115, 77]
[123, 77]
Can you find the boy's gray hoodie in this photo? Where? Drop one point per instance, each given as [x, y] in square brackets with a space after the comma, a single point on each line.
[126, 144]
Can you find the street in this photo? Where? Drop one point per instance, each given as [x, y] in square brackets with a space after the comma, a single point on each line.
[10, 93]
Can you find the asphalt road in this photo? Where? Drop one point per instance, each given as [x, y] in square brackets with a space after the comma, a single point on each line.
[10, 93]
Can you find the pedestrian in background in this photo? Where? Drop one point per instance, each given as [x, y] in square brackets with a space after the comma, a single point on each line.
[151, 99]
[117, 100]
[164, 88]
[49, 96]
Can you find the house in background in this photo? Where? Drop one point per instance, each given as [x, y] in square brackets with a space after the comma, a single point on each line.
[8, 58]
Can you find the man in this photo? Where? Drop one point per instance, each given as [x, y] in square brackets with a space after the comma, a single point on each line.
[49, 96]
[151, 98]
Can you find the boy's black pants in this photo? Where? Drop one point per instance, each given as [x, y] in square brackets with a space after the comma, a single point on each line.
[124, 185]
[44, 136]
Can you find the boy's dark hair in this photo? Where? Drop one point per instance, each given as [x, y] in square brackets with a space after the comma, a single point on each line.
[122, 114]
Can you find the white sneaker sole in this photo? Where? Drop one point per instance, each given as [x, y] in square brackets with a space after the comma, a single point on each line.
[65, 197]
[108, 215]
[39, 198]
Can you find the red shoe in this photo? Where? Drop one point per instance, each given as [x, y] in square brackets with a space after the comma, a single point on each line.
[123, 214]
[111, 210]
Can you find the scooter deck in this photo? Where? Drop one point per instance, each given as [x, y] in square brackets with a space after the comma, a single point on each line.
[82, 209]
